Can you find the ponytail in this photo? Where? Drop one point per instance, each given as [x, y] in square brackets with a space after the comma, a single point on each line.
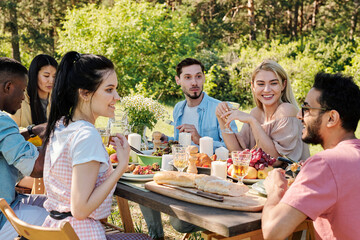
[76, 71]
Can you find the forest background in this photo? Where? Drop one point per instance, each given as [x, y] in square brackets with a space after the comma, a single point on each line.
[147, 38]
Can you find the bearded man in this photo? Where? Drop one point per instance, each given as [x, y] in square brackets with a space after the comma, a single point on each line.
[196, 114]
[326, 189]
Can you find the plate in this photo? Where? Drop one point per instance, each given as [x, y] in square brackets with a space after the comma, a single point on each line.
[137, 178]
[131, 175]
[251, 181]
[246, 181]
[259, 187]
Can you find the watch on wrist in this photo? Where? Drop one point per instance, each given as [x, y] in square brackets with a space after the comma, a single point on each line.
[29, 129]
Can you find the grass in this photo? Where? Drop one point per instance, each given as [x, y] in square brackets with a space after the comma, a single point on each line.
[139, 222]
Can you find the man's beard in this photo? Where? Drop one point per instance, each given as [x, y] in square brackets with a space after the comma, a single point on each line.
[313, 136]
[195, 96]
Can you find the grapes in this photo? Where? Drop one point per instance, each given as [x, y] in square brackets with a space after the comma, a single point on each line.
[260, 159]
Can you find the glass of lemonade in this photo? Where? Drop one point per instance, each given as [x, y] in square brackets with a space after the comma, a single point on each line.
[180, 157]
[105, 135]
[241, 163]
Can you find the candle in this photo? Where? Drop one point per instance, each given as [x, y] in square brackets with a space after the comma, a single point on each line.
[206, 145]
[219, 169]
[135, 141]
[222, 153]
[165, 165]
[185, 139]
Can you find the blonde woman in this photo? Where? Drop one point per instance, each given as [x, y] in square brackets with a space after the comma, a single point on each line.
[272, 124]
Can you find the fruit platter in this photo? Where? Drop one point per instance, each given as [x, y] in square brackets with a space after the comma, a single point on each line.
[259, 167]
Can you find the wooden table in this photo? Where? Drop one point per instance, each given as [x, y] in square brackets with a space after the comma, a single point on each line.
[227, 223]
[221, 223]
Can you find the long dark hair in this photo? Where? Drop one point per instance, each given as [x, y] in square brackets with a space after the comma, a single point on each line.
[37, 114]
[76, 71]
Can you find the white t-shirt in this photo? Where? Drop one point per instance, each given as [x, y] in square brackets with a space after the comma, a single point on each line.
[191, 116]
[86, 144]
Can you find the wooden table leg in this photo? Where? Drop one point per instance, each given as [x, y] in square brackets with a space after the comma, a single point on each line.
[125, 214]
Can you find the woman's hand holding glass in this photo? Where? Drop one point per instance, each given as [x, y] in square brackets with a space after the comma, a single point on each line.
[223, 110]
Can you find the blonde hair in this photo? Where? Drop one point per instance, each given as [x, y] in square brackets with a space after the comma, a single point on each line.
[270, 65]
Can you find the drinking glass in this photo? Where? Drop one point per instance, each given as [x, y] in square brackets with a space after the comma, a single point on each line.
[241, 163]
[105, 135]
[231, 106]
[119, 124]
[180, 159]
[116, 127]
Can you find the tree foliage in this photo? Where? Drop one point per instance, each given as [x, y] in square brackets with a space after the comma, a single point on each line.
[147, 38]
[144, 40]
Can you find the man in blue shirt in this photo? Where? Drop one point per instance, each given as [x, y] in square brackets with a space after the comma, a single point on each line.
[17, 156]
[195, 115]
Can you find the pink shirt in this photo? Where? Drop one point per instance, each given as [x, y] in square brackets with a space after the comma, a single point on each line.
[327, 190]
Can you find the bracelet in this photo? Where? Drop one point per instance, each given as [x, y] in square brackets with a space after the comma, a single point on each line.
[29, 129]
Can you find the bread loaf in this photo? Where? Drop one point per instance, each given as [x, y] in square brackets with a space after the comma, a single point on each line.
[202, 182]
[175, 178]
[202, 179]
[225, 188]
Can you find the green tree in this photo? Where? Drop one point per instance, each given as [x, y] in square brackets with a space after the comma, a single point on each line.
[144, 40]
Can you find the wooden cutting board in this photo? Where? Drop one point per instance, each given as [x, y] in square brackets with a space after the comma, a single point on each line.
[247, 202]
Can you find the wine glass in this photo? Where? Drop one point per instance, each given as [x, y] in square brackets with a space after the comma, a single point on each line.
[241, 163]
[180, 160]
[231, 106]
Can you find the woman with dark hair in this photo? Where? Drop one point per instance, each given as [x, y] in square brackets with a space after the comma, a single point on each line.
[78, 175]
[35, 108]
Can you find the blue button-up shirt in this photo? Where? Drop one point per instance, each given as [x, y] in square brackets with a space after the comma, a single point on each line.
[17, 157]
[208, 123]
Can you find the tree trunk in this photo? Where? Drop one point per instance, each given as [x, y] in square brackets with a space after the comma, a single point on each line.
[268, 25]
[354, 18]
[315, 12]
[13, 26]
[301, 16]
[251, 14]
[296, 15]
[289, 21]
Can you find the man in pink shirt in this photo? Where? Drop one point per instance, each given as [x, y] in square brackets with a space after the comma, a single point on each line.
[327, 187]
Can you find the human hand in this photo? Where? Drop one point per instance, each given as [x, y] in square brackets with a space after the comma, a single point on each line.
[236, 115]
[40, 130]
[221, 109]
[276, 182]
[122, 148]
[164, 138]
[190, 129]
